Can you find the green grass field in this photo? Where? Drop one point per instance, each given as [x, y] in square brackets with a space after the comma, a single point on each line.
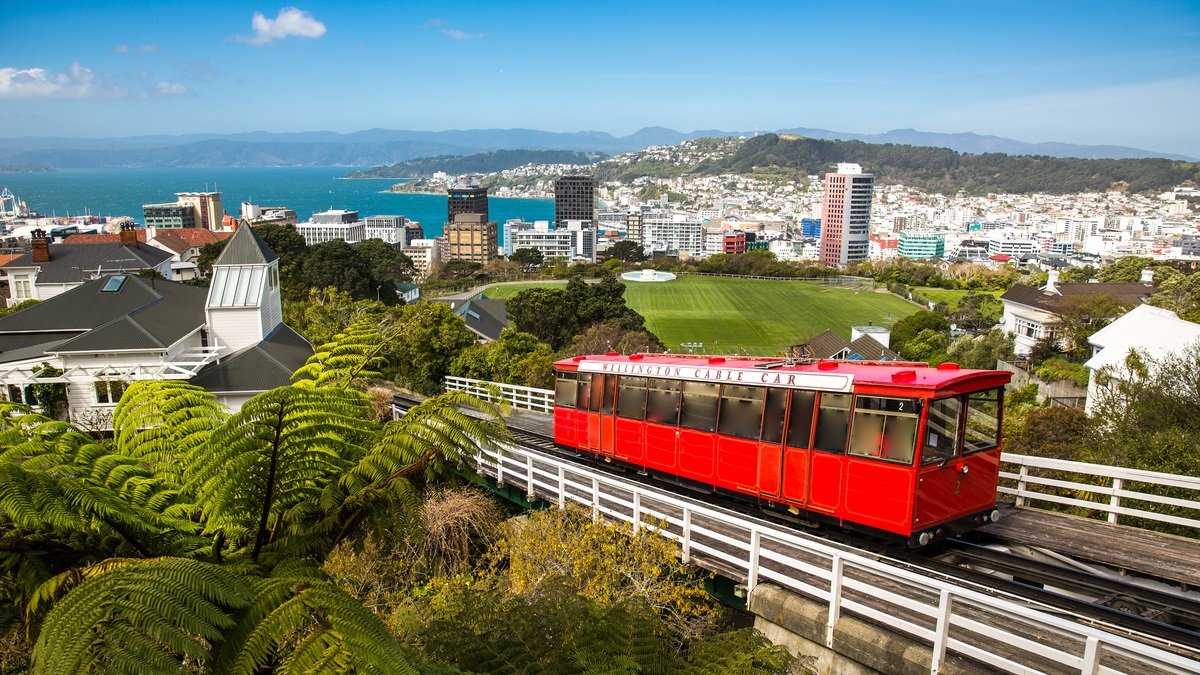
[755, 316]
[949, 297]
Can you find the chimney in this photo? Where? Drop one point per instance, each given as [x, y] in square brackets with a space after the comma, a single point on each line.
[128, 236]
[1052, 281]
[1148, 276]
[40, 245]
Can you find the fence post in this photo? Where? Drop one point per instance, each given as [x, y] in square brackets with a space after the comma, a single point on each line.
[687, 535]
[835, 599]
[1020, 500]
[562, 486]
[1115, 500]
[1091, 656]
[942, 632]
[755, 547]
[637, 510]
[529, 495]
[595, 498]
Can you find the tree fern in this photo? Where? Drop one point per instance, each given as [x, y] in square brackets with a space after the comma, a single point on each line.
[276, 454]
[144, 618]
[163, 422]
[352, 356]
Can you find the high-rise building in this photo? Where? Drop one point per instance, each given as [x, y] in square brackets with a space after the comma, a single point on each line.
[209, 212]
[466, 198]
[472, 237]
[575, 199]
[846, 216]
[168, 216]
[392, 229]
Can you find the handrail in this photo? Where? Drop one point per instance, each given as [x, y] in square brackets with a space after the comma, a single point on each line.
[518, 396]
[947, 616]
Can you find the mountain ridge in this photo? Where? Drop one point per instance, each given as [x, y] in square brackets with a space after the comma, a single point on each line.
[374, 147]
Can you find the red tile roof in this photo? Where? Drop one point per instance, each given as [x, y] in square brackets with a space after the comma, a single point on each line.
[100, 238]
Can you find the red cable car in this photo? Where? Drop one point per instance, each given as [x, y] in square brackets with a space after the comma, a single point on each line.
[904, 450]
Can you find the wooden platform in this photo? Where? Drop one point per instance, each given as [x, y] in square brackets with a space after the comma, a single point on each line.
[1143, 552]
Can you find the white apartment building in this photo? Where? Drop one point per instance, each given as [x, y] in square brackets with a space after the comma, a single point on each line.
[673, 231]
[1011, 242]
[392, 229]
[333, 224]
[427, 256]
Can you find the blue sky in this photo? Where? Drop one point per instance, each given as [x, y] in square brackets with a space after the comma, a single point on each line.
[1084, 72]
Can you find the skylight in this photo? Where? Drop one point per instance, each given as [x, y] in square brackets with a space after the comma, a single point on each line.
[113, 284]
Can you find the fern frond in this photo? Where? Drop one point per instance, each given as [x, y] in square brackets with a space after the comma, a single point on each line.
[163, 422]
[352, 356]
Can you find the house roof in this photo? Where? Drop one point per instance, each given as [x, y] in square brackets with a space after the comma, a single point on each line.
[1134, 293]
[74, 263]
[867, 348]
[245, 247]
[485, 317]
[180, 240]
[259, 367]
[1152, 331]
[114, 238]
[142, 314]
[830, 345]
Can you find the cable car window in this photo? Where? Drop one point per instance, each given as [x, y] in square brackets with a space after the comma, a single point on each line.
[631, 399]
[565, 390]
[885, 428]
[603, 393]
[800, 418]
[772, 428]
[662, 402]
[699, 409]
[741, 411]
[983, 421]
[585, 391]
[942, 430]
[833, 422]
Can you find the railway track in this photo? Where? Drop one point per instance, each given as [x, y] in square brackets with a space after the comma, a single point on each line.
[1167, 620]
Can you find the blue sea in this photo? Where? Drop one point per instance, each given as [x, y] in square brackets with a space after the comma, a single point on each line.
[306, 190]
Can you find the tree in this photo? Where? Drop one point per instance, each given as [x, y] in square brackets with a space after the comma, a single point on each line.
[982, 351]
[385, 264]
[626, 250]
[543, 313]
[209, 254]
[1082, 315]
[529, 259]
[335, 264]
[929, 346]
[603, 337]
[977, 311]
[910, 326]
[1178, 293]
[1128, 268]
[428, 338]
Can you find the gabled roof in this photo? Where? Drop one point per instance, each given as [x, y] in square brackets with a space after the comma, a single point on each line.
[1152, 331]
[826, 345]
[180, 240]
[141, 314]
[830, 345]
[260, 367]
[245, 247]
[74, 263]
[1132, 293]
[867, 348]
[485, 317]
[113, 238]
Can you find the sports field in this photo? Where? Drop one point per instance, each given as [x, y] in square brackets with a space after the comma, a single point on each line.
[948, 297]
[752, 316]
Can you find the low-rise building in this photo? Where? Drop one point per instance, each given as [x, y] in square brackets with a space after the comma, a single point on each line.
[333, 224]
[920, 245]
[1149, 331]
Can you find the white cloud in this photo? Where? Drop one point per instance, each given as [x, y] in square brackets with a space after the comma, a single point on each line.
[169, 89]
[289, 22]
[38, 83]
[456, 34]
[149, 49]
[121, 49]
[197, 70]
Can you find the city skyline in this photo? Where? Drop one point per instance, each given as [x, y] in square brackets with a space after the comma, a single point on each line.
[1086, 73]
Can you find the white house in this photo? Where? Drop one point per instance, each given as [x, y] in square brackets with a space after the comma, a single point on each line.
[119, 328]
[1151, 331]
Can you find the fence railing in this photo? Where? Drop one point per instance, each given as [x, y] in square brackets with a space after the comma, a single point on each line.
[1007, 634]
[837, 280]
[1027, 478]
[1120, 487]
[528, 398]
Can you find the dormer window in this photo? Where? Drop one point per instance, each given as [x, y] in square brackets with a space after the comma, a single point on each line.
[236, 286]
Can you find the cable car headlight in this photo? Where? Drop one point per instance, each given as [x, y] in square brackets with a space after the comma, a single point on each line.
[994, 515]
[924, 539]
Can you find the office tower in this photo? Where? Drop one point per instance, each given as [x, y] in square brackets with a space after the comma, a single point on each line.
[466, 198]
[207, 205]
[575, 199]
[846, 216]
[472, 237]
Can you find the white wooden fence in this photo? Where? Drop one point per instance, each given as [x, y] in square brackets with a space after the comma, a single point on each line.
[1107, 496]
[528, 398]
[1010, 635]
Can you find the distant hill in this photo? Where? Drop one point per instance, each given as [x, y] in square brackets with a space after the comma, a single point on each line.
[480, 162]
[376, 147]
[946, 171]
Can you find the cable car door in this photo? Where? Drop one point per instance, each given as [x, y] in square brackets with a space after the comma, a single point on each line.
[605, 387]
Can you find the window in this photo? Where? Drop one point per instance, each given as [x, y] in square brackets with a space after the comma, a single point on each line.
[799, 432]
[603, 392]
[565, 390]
[833, 422]
[109, 391]
[741, 411]
[585, 391]
[941, 430]
[983, 421]
[773, 413]
[699, 409]
[662, 402]
[885, 428]
[631, 399]
[21, 288]
[113, 284]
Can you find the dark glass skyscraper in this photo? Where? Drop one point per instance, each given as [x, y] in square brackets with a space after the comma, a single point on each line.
[466, 199]
[574, 199]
